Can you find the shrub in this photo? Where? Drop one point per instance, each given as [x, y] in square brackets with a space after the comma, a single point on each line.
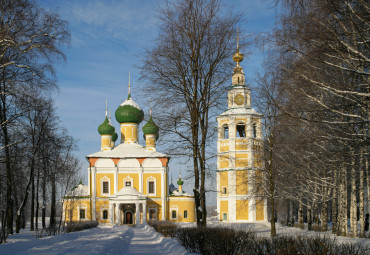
[228, 241]
[78, 226]
[166, 228]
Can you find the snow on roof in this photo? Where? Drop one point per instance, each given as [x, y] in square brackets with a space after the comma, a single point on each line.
[124, 150]
[79, 191]
[182, 193]
[131, 103]
[128, 191]
[240, 111]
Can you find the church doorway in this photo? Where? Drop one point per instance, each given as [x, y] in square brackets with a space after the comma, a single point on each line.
[128, 217]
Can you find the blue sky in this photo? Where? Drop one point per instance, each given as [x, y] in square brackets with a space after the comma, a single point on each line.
[107, 38]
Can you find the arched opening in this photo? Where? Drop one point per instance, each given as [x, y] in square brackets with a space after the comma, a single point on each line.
[128, 217]
[254, 130]
[240, 130]
[225, 132]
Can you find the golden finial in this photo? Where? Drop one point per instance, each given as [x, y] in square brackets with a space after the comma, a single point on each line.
[129, 86]
[106, 107]
[237, 56]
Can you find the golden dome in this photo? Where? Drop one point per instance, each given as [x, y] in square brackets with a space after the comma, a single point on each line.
[238, 57]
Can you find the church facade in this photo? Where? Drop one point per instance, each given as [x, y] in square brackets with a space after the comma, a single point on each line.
[239, 155]
[128, 183]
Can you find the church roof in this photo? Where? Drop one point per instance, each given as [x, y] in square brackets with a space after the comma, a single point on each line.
[237, 111]
[79, 191]
[125, 150]
[127, 193]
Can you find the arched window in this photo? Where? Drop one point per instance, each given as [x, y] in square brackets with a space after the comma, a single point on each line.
[240, 130]
[225, 132]
[254, 130]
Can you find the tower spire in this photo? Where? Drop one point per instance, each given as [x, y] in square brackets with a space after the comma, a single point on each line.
[150, 107]
[237, 38]
[129, 86]
[106, 107]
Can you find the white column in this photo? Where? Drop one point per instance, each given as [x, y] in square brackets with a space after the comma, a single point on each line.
[118, 216]
[144, 212]
[111, 212]
[116, 181]
[93, 170]
[141, 180]
[137, 214]
[163, 194]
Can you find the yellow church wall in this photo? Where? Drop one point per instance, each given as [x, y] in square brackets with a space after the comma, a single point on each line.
[180, 205]
[158, 206]
[99, 179]
[224, 161]
[241, 120]
[257, 160]
[224, 121]
[241, 160]
[133, 176]
[72, 206]
[224, 146]
[224, 182]
[241, 144]
[224, 208]
[152, 176]
[242, 210]
[242, 182]
[101, 205]
[260, 210]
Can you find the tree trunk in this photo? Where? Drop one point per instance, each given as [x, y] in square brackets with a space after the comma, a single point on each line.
[291, 215]
[53, 202]
[353, 208]
[37, 201]
[342, 205]
[43, 211]
[324, 216]
[300, 214]
[334, 204]
[32, 223]
[309, 217]
[361, 195]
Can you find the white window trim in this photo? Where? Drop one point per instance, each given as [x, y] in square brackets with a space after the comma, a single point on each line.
[174, 208]
[223, 131]
[223, 214]
[128, 179]
[104, 179]
[222, 191]
[151, 178]
[104, 208]
[153, 207]
[83, 207]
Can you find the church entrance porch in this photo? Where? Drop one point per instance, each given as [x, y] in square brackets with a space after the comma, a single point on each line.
[128, 206]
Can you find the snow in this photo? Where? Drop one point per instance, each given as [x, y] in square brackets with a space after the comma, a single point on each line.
[238, 111]
[104, 239]
[131, 103]
[125, 150]
[182, 193]
[80, 190]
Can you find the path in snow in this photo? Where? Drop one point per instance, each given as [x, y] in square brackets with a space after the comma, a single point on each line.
[101, 240]
[147, 241]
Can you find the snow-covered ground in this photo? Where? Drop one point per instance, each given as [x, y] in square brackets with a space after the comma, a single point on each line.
[101, 240]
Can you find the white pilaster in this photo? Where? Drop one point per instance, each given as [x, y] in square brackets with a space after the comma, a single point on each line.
[116, 180]
[144, 212]
[137, 213]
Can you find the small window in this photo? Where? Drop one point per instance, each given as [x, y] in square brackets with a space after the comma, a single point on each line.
[152, 214]
[151, 187]
[240, 130]
[224, 190]
[128, 183]
[82, 214]
[105, 214]
[225, 132]
[173, 214]
[185, 214]
[105, 187]
[254, 130]
[224, 217]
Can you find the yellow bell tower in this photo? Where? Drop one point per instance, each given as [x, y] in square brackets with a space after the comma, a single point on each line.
[239, 154]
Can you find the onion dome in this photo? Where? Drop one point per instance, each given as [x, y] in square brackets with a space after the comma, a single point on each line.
[114, 137]
[179, 181]
[150, 127]
[129, 111]
[238, 57]
[105, 128]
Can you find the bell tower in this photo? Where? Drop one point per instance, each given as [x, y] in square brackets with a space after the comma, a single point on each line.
[239, 154]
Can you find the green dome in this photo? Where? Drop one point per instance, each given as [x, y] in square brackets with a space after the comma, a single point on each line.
[105, 128]
[180, 182]
[114, 137]
[129, 111]
[150, 127]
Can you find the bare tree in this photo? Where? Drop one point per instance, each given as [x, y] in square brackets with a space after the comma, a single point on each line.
[187, 70]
